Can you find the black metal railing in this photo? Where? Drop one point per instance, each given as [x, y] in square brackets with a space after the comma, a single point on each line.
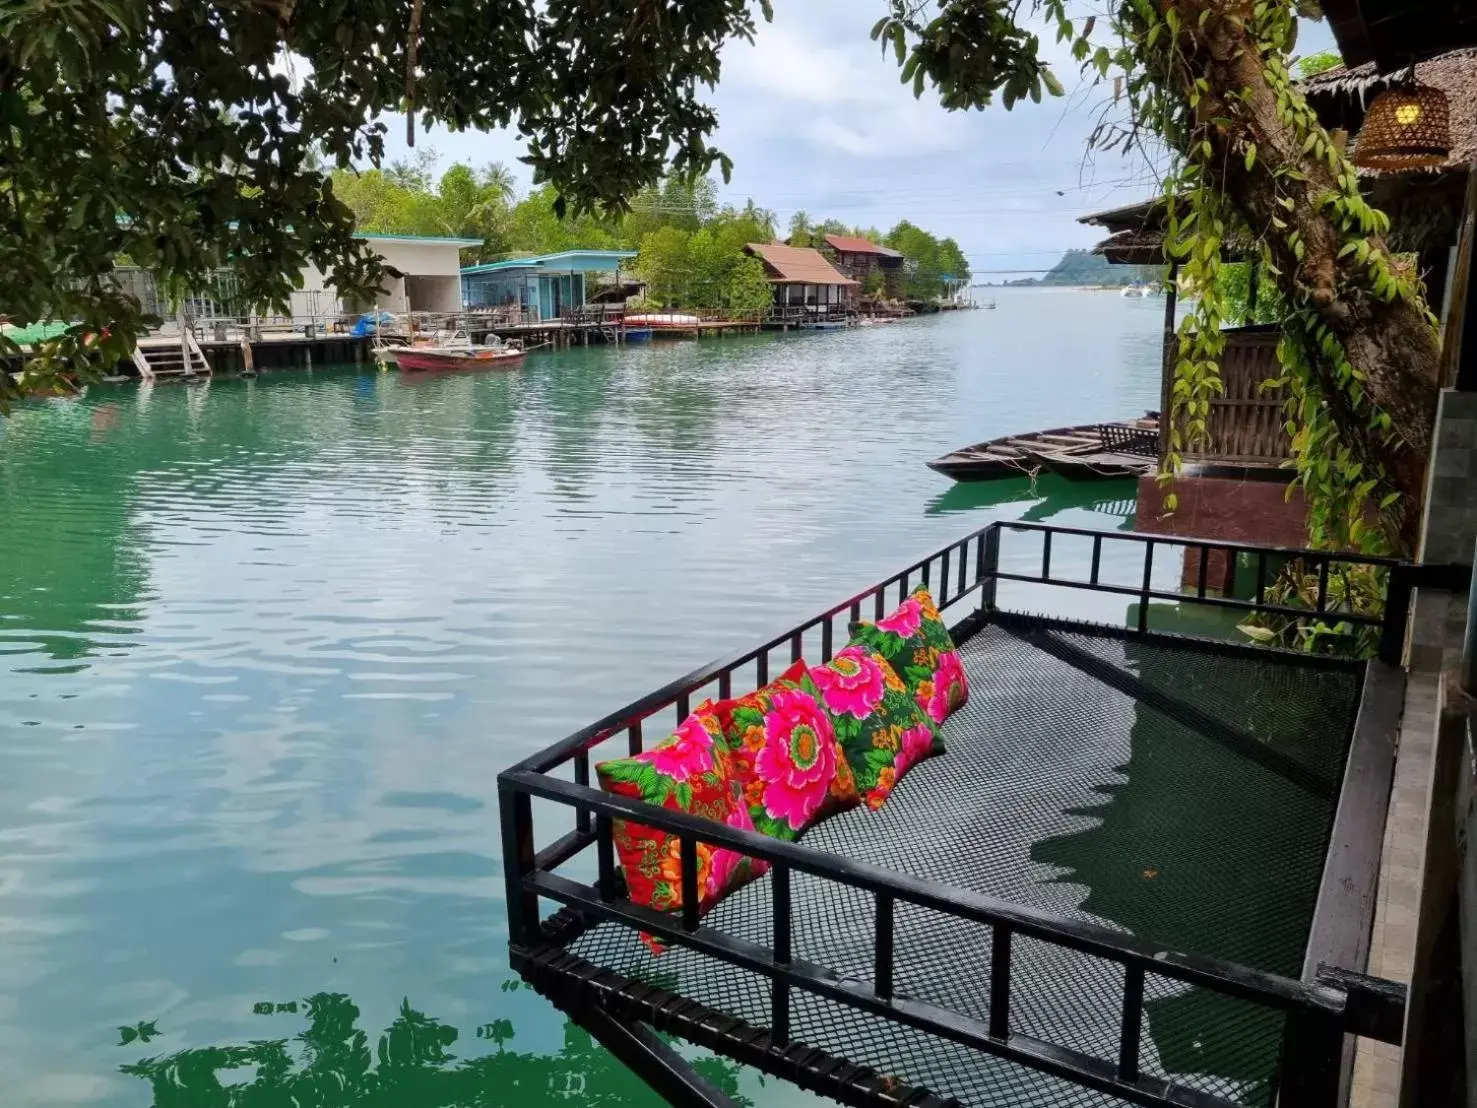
[965, 577]
[1390, 618]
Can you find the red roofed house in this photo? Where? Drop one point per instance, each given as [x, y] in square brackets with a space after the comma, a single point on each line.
[802, 278]
[858, 258]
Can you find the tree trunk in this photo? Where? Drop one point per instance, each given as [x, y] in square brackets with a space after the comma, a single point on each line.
[1391, 343]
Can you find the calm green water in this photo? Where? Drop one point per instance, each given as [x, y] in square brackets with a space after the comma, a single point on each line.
[265, 645]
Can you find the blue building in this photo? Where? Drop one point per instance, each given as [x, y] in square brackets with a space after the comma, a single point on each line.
[547, 284]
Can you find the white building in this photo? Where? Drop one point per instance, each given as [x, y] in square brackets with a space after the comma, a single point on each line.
[422, 274]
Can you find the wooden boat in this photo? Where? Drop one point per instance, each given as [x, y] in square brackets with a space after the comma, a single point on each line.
[456, 352]
[1013, 455]
[1099, 464]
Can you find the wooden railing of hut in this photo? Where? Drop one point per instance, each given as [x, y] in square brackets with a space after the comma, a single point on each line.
[1247, 426]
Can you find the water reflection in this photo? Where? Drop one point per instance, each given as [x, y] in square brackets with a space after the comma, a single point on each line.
[332, 1063]
[272, 640]
[1201, 848]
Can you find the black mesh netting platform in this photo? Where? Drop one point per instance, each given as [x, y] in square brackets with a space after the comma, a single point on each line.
[1181, 795]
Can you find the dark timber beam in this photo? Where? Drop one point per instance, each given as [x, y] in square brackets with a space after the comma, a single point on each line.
[1343, 919]
[1460, 339]
[652, 1059]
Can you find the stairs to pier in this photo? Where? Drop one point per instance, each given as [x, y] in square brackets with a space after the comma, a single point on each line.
[169, 356]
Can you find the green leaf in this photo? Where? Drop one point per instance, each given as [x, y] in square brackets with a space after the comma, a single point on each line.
[1250, 155]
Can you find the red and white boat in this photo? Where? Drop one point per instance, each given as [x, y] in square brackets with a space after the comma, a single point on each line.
[455, 353]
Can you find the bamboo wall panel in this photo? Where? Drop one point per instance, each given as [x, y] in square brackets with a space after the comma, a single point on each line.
[1246, 425]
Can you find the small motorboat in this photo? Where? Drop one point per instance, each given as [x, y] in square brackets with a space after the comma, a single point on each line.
[663, 321]
[454, 352]
[1057, 451]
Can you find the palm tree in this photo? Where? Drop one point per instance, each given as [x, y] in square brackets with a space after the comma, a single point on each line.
[496, 179]
[761, 216]
[800, 228]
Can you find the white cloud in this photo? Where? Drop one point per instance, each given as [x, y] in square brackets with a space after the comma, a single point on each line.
[778, 63]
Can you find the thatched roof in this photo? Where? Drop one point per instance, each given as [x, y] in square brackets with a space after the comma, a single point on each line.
[1133, 248]
[1340, 96]
[1146, 215]
[1138, 234]
[1424, 205]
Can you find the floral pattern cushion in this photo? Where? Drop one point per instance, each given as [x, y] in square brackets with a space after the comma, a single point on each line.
[917, 645]
[785, 756]
[880, 728]
[690, 771]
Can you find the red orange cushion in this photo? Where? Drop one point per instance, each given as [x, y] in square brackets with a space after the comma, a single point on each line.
[785, 756]
[880, 728]
[918, 646]
[690, 771]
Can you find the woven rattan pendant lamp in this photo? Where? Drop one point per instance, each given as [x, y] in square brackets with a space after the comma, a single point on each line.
[1407, 127]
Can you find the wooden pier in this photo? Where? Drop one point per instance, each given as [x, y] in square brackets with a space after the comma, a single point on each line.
[243, 346]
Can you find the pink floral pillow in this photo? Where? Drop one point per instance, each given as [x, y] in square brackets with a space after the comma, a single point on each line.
[691, 771]
[880, 728]
[918, 646]
[785, 756]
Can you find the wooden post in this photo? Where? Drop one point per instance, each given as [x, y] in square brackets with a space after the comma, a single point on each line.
[248, 366]
[1432, 1055]
[1459, 345]
[184, 341]
[1166, 373]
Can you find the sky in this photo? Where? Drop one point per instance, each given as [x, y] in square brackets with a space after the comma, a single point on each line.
[815, 119]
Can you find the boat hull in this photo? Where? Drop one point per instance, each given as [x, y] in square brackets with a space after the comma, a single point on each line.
[1076, 452]
[411, 360]
[976, 469]
[1093, 467]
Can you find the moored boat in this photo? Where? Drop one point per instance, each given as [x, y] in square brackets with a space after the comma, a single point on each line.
[1054, 450]
[456, 352]
[663, 321]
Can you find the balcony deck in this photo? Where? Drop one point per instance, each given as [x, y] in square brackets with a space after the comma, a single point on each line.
[1117, 886]
[1061, 792]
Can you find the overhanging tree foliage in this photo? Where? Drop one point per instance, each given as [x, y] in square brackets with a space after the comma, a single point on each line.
[189, 134]
[1251, 165]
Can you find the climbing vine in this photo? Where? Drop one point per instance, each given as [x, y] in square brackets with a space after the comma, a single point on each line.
[1194, 74]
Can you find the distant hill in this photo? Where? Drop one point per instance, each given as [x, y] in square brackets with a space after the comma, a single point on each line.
[1078, 267]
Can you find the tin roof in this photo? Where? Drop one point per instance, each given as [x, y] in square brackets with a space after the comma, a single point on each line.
[850, 244]
[796, 265]
[445, 240]
[565, 261]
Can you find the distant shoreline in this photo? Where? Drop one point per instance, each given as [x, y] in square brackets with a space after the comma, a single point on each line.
[1054, 288]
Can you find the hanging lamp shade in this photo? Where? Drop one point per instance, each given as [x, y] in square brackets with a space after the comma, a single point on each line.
[1405, 128]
